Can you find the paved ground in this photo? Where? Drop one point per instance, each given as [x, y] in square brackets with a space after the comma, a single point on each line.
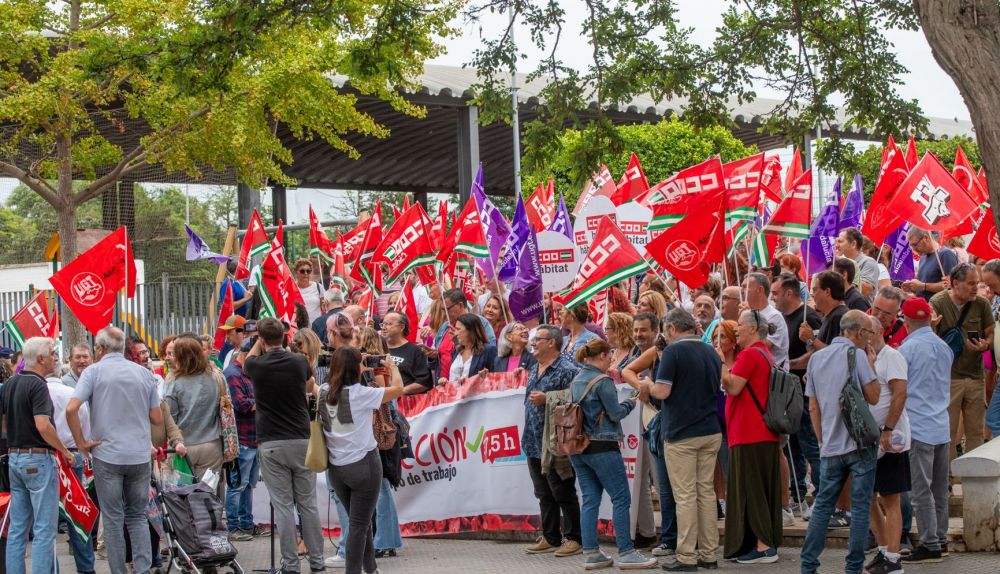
[422, 556]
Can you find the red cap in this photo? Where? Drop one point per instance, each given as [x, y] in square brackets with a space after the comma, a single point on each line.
[916, 308]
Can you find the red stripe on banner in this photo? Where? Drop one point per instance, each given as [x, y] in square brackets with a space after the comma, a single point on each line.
[413, 405]
[480, 523]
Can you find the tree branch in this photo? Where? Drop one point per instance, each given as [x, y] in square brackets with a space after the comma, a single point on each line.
[39, 186]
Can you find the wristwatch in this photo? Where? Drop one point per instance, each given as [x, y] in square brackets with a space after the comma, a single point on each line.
[810, 342]
[887, 428]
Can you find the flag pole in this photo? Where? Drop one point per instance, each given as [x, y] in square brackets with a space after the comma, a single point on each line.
[125, 298]
[805, 308]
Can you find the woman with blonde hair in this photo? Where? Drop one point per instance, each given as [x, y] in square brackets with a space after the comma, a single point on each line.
[311, 291]
[193, 394]
[495, 311]
[619, 331]
[600, 467]
[652, 302]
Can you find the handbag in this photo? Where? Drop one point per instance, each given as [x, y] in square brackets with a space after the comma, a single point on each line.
[858, 419]
[316, 456]
[954, 337]
[227, 421]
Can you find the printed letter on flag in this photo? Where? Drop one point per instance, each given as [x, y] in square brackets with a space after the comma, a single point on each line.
[610, 259]
[632, 184]
[742, 179]
[685, 250]
[33, 320]
[254, 243]
[931, 198]
[541, 207]
[985, 244]
[319, 243]
[406, 244]
[672, 199]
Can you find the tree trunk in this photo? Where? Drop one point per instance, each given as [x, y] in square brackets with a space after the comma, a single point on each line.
[964, 36]
[72, 329]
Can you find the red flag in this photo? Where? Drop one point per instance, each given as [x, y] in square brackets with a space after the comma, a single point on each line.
[880, 220]
[338, 272]
[770, 178]
[225, 312]
[468, 233]
[610, 259]
[439, 231]
[319, 243]
[794, 170]
[981, 178]
[742, 180]
[600, 183]
[279, 293]
[406, 245]
[911, 157]
[406, 304]
[541, 207]
[931, 198]
[396, 213]
[599, 307]
[985, 244]
[793, 215]
[361, 272]
[74, 503]
[32, 320]
[673, 198]
[688, 248]
[254, 243]
[406, 202]
[90, 283]
[632, 184]
[966, 176]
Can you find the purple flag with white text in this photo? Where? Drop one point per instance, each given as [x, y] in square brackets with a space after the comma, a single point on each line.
[520, 227]
[901, 267]
[526, 294]
[198, 251]
[817, 251]
[495, 227]
[561, 222]
[854, 206]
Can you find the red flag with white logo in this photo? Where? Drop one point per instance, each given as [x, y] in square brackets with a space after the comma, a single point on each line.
[672, 199]
[90, 283]
[406, 304]
[985, 244]
[600, 183]
[541, 206]
[794, 214]
[610, 259]
[966, 176]
[468, 233]
[279, 292]
[439, 231]
[32, 320]
[74, 503]
[338, 273]
[770, 178]
[352, 242]
[406, 245]
[254, 243]
[688, 248]
[880, 220]
[225, 312]
[362, 270]
[632, 184]
[931, 198]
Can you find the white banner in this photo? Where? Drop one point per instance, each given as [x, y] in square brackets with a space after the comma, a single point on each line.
[469, 472]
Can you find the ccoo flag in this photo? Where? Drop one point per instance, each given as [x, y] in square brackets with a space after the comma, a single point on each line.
[33, 320]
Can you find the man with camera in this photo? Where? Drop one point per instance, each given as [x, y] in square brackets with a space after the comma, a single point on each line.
[409, 358]
[281, 383]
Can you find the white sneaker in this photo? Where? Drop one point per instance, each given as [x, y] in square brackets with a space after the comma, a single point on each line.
[805, 511]
[787, 517]
[335, 562]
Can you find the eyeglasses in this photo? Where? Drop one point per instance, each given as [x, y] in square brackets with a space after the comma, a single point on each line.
[305, 271]
[536, 340]
[879, 311]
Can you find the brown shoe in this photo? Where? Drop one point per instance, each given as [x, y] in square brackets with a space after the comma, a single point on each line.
[540, 546]
[569, 548]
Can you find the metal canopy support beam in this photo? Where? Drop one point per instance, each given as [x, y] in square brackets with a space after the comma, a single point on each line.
[468, 150]
[247, 200]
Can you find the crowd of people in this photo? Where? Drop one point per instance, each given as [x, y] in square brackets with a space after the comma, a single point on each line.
[698, 360]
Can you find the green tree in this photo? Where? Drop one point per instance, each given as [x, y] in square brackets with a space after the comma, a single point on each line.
[831, 60]
[663, 148]
[867, 161]
[208, 82]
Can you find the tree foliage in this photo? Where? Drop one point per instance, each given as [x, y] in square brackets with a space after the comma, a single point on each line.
[815, 52]
[663, 148]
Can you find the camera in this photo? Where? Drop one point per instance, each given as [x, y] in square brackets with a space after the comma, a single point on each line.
[374, 361]
[250, 327]
[325, 354]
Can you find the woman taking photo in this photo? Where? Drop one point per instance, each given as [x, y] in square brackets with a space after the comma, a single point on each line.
[193, 397]
[339, 331]
[355, 471]
[513, 353]
[600, 468]
[473, 351]
[753, 512]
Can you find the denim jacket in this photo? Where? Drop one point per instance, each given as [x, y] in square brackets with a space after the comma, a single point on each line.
[603, 397]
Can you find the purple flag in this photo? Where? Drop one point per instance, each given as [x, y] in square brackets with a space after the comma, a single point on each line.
[561, 222]
[198, 251]
[495, 227]
[520, 226]
[526, 294]
[854, 205]
[901, 267]
[817, 251]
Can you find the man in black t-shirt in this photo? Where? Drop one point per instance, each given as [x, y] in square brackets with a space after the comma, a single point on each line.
[32, 440]
[281, 382]
[828, 297]
[852, 297]
[409, 358]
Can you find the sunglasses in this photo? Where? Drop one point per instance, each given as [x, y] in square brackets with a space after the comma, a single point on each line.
[305, 271]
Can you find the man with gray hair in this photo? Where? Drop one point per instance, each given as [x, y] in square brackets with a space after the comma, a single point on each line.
[123, 403]
[758, 291]
[79, 359]
[331, 302]
[32, 440]
[885, 308]
[841, 457]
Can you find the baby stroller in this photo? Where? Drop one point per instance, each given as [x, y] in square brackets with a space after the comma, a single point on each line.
[196, 537]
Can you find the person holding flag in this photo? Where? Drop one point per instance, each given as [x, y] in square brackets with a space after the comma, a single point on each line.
[936, 263]
[32, 440]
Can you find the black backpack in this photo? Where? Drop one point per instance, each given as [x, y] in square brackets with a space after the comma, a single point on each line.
[783, 414]
[858, 419]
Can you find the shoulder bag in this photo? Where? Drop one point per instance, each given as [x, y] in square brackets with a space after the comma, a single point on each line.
[227, 421]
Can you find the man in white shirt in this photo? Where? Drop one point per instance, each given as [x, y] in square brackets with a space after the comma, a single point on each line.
[60, 393]
[849, 243]
[758, 290]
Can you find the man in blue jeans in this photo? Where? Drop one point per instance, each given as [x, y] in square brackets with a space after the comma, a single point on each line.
[32, 442]
[841, 457]
[124, 403]
[239, 499]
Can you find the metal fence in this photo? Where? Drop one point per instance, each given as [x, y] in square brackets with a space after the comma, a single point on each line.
[157, 310]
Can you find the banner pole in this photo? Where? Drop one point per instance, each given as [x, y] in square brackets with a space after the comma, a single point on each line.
[128, 247]
[805, 308]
